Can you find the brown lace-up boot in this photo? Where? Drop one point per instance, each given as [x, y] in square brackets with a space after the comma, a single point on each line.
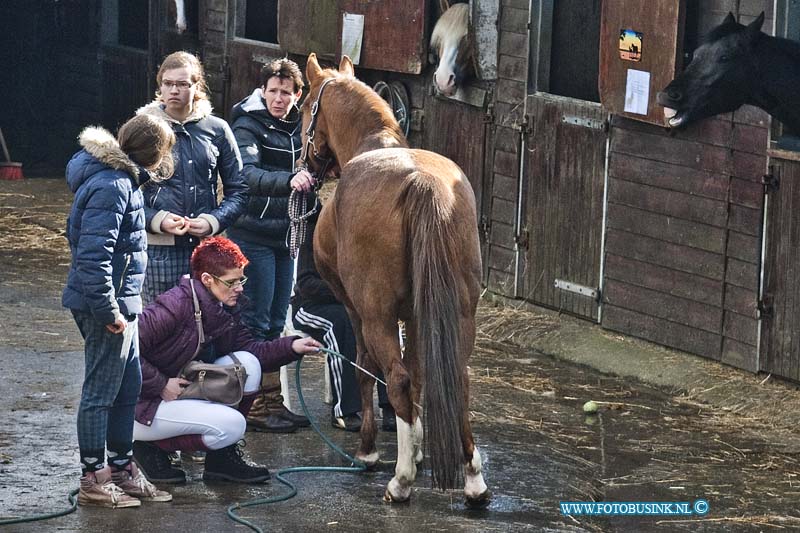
[261, 416]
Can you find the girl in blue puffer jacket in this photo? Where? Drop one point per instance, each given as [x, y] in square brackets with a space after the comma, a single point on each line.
[107, 239]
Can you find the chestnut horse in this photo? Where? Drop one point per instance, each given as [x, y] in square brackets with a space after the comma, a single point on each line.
[399, 241]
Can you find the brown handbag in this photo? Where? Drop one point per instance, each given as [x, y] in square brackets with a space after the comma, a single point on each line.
[216, 383]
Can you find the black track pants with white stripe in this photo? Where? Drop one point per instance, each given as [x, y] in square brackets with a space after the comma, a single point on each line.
[330, 325]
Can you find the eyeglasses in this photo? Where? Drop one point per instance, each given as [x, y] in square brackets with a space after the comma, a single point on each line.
[232, 283]
[180, 85]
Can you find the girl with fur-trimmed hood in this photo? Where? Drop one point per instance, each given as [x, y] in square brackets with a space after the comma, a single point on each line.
[107, 239]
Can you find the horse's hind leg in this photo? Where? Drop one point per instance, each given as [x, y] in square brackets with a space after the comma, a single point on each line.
[475, 490]
[399, 388]
[382, 342]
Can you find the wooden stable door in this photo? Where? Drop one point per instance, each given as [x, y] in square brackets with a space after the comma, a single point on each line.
[561, 232]
[128, 84]
[780, 342]
[458, 131]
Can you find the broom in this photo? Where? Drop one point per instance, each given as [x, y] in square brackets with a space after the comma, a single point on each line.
[9, 170]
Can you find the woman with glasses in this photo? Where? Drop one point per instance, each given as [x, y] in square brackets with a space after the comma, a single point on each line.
[184, 210]
[168, 339]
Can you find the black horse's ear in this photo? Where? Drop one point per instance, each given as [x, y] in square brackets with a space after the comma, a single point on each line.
[754, 28]
[730, 19]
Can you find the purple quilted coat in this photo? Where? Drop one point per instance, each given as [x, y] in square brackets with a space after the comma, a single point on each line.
[168, 339]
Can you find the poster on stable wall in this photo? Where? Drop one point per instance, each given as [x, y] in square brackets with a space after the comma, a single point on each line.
[630, 45]
[352, 36]
[637, 91]
[645, 37]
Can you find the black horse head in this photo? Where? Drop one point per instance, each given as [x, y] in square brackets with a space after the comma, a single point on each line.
[720, 77]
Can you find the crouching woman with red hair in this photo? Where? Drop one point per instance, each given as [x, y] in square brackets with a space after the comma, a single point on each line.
[168, 338]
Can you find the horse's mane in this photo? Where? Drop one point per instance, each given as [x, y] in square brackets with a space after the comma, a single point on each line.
[374, 111]
[451, 27]
[788, 46]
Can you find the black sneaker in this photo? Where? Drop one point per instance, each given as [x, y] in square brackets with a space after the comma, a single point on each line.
[227, 464]
[300, 421]
[155, 463]
[347, 422]
[271, 424]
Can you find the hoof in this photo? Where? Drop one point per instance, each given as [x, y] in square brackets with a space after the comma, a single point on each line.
[481, 502]
[388, 498]
[370, 461]
[396, 493]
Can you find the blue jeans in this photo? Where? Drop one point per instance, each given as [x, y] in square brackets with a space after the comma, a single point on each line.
[111, 385]
[269, 286]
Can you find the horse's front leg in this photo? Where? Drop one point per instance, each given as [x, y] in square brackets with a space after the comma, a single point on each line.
[383, 343]
[411, 362]
[367, 452]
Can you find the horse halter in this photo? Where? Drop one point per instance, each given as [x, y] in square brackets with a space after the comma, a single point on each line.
[302, 163]
[298, 210]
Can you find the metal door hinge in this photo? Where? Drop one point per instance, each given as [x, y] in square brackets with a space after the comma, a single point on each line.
[765, 308]
[485, 227]
[584, 122]
[583, 290]
[522, 239]
[527, 126]
[488, 116]
[771, 183]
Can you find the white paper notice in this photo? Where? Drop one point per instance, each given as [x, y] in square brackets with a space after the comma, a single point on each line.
[637, 91]
[352, 36]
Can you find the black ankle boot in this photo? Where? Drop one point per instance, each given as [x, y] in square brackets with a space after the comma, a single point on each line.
[227, 464]
[155, 463]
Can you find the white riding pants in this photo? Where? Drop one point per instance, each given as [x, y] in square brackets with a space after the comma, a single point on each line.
[219, 425]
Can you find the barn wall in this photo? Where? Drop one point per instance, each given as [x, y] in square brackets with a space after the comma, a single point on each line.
[682, 252]
[682, 246]
[508, 123]
[50, 83]
[213, 36]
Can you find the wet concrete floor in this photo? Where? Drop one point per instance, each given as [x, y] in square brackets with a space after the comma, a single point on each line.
[539, 448]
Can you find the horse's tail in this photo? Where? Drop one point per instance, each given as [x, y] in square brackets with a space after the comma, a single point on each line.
[432, 245]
